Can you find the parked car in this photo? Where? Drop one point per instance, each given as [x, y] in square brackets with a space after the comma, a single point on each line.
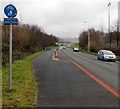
[76, 49]
[106, 55]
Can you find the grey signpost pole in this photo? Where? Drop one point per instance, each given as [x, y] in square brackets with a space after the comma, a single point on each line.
[10, 59]
[10, 11]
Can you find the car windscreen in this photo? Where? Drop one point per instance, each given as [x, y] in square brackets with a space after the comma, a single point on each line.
[108, 53]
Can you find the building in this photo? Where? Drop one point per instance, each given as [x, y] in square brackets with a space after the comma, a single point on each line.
[119, 12]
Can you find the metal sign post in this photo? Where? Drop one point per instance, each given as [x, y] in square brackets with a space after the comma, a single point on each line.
[10, 11]
[10, 59]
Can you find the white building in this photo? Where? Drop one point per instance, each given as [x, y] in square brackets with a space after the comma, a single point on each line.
[119, 12]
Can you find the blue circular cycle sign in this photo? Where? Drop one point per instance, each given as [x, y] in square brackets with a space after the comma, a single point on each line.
[10, 11]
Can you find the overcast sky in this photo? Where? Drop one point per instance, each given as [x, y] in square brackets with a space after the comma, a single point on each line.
[64, 18]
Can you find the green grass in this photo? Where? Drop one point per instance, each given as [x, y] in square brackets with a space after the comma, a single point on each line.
[118, 58]
[74, 46]
[93, 53]
[23, 84]
[88, 52]
[54, 47]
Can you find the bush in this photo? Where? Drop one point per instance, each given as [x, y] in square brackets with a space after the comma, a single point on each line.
[26, 40]
[115, 50]
[94, 47]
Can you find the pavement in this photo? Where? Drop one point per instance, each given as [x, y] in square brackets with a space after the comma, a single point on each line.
[61, 83]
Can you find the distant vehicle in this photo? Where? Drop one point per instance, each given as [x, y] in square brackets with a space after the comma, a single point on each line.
[67, 46]
[64, 47]
[106, 55]
[76, 49]
[47, 48]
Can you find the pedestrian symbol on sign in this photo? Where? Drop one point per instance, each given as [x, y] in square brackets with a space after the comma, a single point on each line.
[10, 11]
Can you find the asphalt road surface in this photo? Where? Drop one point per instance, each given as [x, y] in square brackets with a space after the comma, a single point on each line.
[106, 71]
[62, 84]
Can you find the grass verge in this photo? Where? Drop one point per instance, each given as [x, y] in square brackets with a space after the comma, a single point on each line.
[88, 52]
[23, 84]
[93, 53]
[54, 47]
[118, 58]
[75, 46]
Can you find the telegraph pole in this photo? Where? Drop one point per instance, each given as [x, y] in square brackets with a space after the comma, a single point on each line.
[88, 40]
[109, 22]
[88, 36]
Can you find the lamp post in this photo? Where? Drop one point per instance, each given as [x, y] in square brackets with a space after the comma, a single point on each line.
[109, 22]
[88, 36]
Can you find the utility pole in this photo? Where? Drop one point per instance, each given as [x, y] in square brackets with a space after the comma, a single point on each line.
[88, 36]
[109, 22]
[118, 24]
[88, 40]
[119, 12]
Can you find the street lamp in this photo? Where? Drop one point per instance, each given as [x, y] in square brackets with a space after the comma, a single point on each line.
[109, 22]
[88, 36]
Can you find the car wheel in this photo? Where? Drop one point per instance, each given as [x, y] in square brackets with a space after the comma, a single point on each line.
[114, 60]
[103, 58]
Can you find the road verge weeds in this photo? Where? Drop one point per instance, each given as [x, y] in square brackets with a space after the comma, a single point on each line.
[23, 83]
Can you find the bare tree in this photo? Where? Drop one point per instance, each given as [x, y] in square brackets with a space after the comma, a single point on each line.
[94, 39]
[27, 39]
[116, 31]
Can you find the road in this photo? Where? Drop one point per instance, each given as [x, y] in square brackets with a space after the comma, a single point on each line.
[62, 84]
[106, 71]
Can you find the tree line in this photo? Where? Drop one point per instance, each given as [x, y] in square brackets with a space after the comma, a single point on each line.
[100, 39]
[27, 39]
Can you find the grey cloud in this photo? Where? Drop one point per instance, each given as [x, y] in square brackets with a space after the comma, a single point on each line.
[65, 17]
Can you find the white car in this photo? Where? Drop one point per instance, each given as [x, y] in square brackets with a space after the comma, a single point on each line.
[64, 47]
[76, 49]
[106, 55]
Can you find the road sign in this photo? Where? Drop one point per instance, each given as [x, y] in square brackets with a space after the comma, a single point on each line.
[10, 11]
[11, 21]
